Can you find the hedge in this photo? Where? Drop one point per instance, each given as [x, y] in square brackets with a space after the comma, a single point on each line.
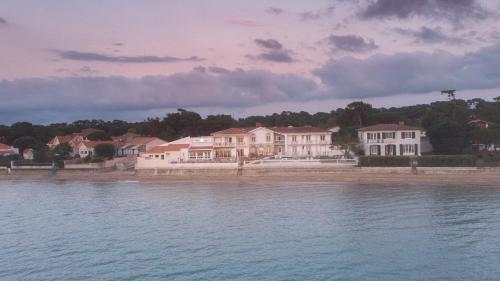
[423, 161]
[384, 161]
[447, 161]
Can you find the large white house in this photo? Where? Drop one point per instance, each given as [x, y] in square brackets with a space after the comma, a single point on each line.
[235, 144]
[261, 141]
[391, 140]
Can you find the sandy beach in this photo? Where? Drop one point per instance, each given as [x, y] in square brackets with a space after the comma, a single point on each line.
[467, 176]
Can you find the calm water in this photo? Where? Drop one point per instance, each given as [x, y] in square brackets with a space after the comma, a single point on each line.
[242, 231]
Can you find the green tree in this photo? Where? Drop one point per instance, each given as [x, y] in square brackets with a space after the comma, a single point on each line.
[447, 137]
[26, 142]
[105, 150]
[62, 151]
[41, 154]
[98, 136]
[347, 139]
[355, 114]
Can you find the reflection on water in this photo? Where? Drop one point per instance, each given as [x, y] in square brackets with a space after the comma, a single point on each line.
[247, 231]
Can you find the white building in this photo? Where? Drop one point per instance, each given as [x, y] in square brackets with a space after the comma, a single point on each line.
[391, 140]
[251, 142]
[185, 150]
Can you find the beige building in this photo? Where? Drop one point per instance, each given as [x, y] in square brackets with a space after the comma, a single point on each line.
[252, 142]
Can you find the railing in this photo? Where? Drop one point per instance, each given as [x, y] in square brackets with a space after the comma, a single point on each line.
[224, 144]
[387, 140]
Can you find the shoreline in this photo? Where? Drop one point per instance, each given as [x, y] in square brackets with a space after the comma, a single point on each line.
[385, 175]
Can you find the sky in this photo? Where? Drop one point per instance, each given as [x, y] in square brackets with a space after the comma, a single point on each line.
[62, 61]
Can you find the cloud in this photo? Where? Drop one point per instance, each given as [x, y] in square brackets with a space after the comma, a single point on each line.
[273, 51]
[3, 21]
[274, 11]
[247, 22]
[269, 44]
[99, 95]
[351, 43]
[429, 35]
[88, 69]
[452, 10]
[316, 15]
[85, 56]
[417, 72]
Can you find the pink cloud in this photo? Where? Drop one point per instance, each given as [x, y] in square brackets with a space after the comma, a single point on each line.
[248, 22]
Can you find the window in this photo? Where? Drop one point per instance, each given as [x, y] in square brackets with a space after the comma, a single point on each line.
[409, 148]
[239, 140]
[407, 135]
[308, 138]
[294, 138]
[163, 157]
[322, 137]
[374, 150]
[268, 138]
[253, 138]
[294, 149]
[391, 135]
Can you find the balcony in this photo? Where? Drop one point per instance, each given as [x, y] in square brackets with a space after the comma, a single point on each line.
[224, 144]
[381, 140]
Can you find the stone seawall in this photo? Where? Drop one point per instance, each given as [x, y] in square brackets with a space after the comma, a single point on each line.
[469, 176]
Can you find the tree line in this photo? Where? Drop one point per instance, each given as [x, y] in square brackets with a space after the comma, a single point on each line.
[446, 124]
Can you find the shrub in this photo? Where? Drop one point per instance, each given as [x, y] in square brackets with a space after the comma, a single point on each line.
[96, 159]
[105, 150]
[384, 161]
[447, 161]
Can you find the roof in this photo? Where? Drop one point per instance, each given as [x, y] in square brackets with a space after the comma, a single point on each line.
[283, 130]
[390, 127]
[142, 140]
[92, 144]
[298, 130]
[166, 148]
[475, 121]
[61, 139]
[206, 147]
[5, 147]
[235, 131]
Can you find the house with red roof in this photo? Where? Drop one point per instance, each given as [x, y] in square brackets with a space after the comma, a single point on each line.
[7, 150]
[87, 148]
[136, 145]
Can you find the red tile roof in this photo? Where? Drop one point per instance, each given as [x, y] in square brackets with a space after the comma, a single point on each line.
[234, 131]
[92, 144]
[390, 127]
[284, 130]
[207, 147]
[4, 147]
[166, 148]
[61, 139]
[299, 130]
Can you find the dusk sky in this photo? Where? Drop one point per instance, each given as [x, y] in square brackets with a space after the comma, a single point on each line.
[128, 59]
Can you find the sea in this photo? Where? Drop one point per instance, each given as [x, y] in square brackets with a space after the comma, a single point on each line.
[243, 230]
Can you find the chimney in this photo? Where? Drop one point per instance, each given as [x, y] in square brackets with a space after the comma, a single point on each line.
[258, 124]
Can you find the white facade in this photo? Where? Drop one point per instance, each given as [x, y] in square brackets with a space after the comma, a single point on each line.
[390, 140]
[293, 142]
